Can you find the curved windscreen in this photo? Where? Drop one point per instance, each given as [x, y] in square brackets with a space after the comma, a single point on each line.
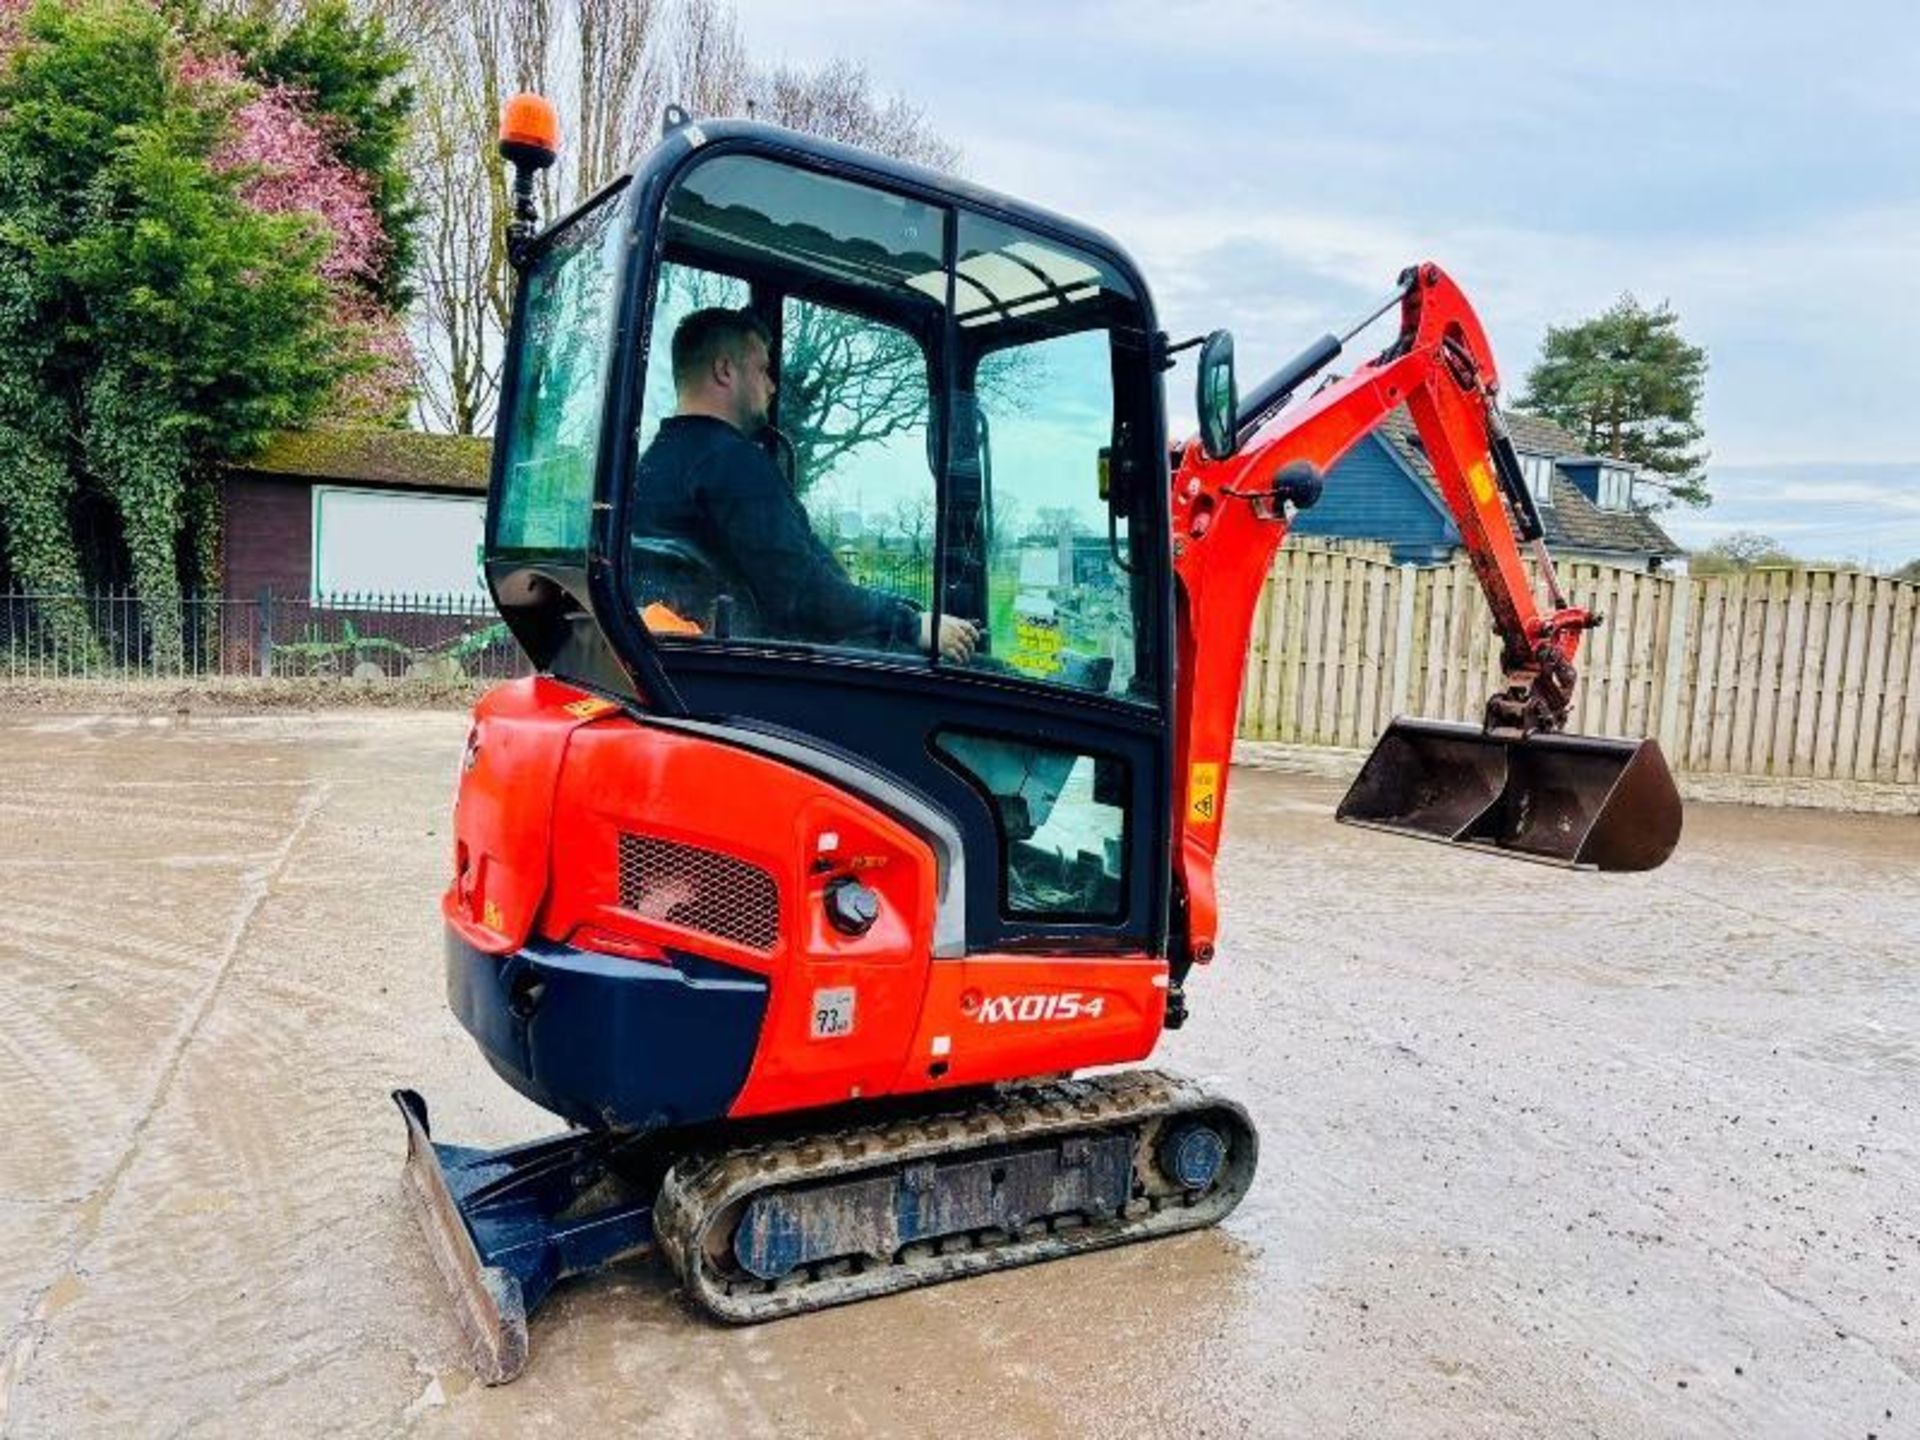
[551, 435]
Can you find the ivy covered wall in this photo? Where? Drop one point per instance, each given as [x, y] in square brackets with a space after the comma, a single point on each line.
[194, 254]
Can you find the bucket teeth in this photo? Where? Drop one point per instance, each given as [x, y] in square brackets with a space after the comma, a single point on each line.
[1575, 800]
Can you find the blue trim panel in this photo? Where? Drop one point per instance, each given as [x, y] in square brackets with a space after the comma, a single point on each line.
[1371, 494]
[604, 1041]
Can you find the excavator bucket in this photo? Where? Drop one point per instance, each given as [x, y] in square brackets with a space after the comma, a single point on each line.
[1573, 800]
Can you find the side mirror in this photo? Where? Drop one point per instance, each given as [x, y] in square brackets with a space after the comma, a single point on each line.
[1216, 397]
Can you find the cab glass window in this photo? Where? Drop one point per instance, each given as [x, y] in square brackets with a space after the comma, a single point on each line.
[1061, 820]
[855, 407]
[682, 289]
[567, 304]
[785, 486]
[1046, 462]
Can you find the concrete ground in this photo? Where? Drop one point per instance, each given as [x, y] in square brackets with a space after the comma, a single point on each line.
[1543, 1153]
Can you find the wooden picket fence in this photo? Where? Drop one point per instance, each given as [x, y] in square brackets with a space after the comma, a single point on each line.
[1771, 673]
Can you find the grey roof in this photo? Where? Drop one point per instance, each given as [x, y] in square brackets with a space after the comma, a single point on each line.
[1531, 435]
[1572, 521]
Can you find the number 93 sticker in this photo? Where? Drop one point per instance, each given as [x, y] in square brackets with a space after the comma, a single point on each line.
[832, 1013]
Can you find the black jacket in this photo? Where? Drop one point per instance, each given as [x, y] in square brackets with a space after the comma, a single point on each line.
[704, 483]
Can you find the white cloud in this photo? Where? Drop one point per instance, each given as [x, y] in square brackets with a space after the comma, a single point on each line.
[1823, 494]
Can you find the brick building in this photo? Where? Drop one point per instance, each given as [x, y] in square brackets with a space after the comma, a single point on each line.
[322, 513]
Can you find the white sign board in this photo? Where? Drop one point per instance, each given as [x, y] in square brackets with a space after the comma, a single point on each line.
[380, 542]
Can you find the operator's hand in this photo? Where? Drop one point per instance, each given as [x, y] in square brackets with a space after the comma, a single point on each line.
[957, 637]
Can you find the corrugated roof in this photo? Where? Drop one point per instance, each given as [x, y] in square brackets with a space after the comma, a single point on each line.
[1572, 520]
[409, 458]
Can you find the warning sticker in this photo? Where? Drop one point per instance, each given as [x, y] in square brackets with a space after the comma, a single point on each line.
[1203, 794]
[1480, 481]
[1036, 648]
[588, 709]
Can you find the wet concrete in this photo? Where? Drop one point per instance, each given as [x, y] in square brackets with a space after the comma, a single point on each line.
[1543, 1153]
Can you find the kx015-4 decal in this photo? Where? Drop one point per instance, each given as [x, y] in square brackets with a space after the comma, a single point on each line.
[1018, 1009]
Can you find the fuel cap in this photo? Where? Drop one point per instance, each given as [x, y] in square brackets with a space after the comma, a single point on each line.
[851, 907]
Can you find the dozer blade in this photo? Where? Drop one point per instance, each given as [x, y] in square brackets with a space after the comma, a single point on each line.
[487, 1300]
[504, 1226]
[1573, 800]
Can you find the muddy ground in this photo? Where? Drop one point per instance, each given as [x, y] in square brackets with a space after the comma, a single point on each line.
[1543, 1153]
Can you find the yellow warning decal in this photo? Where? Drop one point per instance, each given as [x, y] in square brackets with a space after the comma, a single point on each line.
[1480, 481]
[491, 917]
[1203, 794]
[1036, 648]
[588, 709]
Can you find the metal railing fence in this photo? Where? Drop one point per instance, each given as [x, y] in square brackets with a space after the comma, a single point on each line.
[910, 577]
[110, 636]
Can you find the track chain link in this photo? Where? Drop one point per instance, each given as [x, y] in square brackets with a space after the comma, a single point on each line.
[703, 1190]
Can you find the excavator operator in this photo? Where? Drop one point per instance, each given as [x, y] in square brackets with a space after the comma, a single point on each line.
[705, 485]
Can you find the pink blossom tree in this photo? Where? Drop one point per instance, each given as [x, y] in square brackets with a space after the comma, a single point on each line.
[10, 13]
[290, 165]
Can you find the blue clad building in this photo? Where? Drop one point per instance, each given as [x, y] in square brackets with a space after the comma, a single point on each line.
[1384, 489]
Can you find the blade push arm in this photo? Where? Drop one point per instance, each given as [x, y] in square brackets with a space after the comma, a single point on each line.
[1230, 515]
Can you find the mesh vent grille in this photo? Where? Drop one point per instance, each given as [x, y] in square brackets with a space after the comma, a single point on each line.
[700, 889]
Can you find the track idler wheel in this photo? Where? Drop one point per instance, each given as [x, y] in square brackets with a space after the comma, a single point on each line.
[1191, 1156]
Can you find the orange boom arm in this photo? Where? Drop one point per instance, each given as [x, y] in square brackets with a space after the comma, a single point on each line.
[1230, 515]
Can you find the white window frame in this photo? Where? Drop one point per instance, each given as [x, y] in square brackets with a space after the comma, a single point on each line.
[1616, 487]
[1538, 470]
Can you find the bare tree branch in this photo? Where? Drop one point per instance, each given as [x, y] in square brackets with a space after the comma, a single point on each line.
[609, 66]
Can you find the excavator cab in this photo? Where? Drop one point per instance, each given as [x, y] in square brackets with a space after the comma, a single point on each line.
[966, 415]
[966, 423]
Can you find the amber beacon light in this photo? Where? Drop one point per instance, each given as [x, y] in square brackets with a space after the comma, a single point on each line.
[530, 131]
[530, 142]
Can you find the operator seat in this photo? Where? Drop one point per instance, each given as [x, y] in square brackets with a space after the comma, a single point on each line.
[675, 572]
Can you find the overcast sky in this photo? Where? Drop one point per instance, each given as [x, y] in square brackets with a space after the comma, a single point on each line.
[1272, 166]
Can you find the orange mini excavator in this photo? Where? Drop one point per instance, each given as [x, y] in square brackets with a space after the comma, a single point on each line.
[806, 926]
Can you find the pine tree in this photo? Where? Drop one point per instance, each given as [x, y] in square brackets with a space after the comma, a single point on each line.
[1629, 386]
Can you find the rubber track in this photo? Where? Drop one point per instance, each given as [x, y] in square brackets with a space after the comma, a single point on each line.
[701, 1191]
